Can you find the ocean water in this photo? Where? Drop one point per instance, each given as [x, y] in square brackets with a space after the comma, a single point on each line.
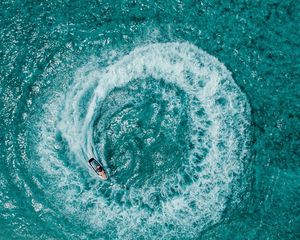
[192, 107]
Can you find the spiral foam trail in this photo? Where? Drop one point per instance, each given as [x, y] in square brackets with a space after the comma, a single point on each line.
[170, 125]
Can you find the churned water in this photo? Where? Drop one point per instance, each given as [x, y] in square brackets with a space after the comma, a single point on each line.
[192, 107]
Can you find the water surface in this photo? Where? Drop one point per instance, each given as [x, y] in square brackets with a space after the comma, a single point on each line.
[191, 107]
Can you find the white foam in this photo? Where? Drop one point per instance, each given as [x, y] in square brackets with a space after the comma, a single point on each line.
[9, 205]
[200, 203]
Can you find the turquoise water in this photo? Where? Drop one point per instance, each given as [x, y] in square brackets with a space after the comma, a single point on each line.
[191, 106]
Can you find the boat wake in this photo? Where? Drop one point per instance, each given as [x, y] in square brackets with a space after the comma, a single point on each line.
[170, 126]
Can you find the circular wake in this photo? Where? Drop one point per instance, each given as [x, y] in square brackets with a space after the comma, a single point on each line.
[170, 126]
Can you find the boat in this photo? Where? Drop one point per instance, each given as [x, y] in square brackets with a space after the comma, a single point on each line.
[98, 168]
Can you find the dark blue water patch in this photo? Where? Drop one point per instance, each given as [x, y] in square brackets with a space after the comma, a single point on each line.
[144, 127]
